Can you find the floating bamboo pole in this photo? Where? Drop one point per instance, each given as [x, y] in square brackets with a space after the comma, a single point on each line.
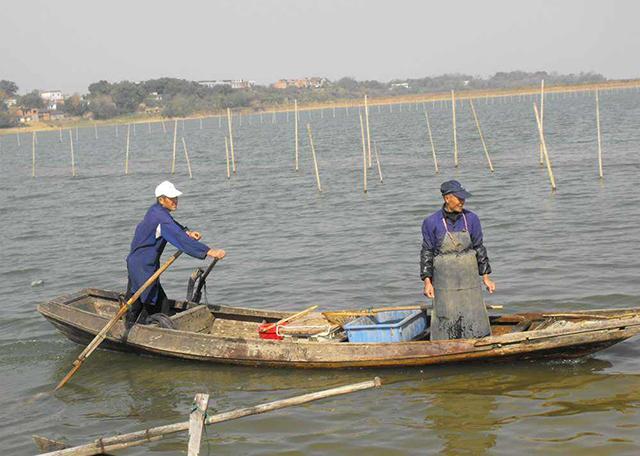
[233, 160]
[295, 128]
[544, 148]
[455, 134]
[364, 154]
[196, 423]
[366, 116]
[484, 145]
[226, 148]
[73, 158]
[33, 154]
[175, 139]
[126, 154]
[379, 165]
[600, 173]
[542, 118]
[103, 445]
[313, 154]
[186, 155]
[433, 147]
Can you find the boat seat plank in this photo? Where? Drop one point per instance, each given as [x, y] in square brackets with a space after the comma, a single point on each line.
[196, 319]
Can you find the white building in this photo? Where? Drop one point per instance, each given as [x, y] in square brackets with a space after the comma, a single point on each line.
[233, 83]
[52, 98]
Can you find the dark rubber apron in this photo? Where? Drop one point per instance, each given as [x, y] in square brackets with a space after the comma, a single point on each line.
[458, 309]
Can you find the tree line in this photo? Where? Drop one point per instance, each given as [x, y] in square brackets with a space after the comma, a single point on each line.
[172, 97]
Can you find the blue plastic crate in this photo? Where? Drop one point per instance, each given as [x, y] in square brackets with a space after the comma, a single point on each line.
[393, 326]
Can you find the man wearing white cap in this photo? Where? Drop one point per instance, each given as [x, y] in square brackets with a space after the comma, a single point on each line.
[151, 236]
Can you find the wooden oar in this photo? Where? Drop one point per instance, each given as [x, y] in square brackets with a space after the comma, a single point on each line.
[341, 316]
[289, 318]
[102, 335]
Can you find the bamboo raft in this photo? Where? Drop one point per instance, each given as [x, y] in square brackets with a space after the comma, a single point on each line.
[223, 334]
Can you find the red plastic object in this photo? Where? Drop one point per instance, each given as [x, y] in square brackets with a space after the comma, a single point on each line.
[271, 333]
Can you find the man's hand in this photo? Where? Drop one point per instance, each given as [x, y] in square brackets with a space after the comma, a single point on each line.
[428, 288]
[194, 235]
[491, 286]
[219, 254]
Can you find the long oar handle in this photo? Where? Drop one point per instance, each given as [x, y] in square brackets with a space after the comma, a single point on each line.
[102, 335]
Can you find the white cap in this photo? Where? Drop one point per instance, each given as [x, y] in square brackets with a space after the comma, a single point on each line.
[167, 189]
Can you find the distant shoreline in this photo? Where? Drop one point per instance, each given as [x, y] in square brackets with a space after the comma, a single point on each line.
[75, 122]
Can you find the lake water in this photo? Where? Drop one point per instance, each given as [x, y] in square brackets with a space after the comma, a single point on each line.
[290, 247]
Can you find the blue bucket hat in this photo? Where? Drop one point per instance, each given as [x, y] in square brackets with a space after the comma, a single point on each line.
[455, 187]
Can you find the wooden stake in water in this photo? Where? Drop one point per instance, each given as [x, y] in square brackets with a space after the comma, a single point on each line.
[149, 127]
[134, 129]
[116, 130]
[455, 134]
[233, 160]
[164, 128]
[313, 154]
[76, 135]
[200, 123]
[18, 138]
[186, 155]
[484, 145]
[95, 129]
[542, 118]
[196, 423]
[600, 173]
[544, 148]
[175, 139]
[33, 154]
[273, 116]
[126, 154]
[433, 147]
[364, 154]
[379, 165]
[226, 148]
[73, 159]
[295, 128]
[366, 117]
[60, 134]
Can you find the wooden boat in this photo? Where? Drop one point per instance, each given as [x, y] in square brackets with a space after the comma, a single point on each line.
[222, 334]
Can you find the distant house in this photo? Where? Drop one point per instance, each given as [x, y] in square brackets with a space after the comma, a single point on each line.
[52, 98]
[399, 85]
[233, 83]
[28, 115]
[10, 102]
[303, 83]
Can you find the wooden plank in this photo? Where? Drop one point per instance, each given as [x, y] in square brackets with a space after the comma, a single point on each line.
[196, 423]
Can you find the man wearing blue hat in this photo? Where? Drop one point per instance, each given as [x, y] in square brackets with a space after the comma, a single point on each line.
[451, 259]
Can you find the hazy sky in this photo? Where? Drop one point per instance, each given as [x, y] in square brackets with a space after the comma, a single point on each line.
[67, 44]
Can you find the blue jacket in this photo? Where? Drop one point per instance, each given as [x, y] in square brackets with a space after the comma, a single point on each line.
[151, 236]
[433, 233]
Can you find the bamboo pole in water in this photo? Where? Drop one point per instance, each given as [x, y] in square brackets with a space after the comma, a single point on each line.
[73, 158]
[60, 134]
[18, 138]
[116, 130]
[164, 128]
[366, 116]
[121, 441]
[295, 127]
[95, 129]
[364, 154]
[149, 127]
[433, 147]
[542, 118]
[33, 154]
[134, 129]
[196, 423]
[76, 135]
[544, 148]
[226, 148]
[484, 145]
[313, 154]
[600, 173]
[455, 133]
[233, 160]
[200, 123]
[126, 154]
[186, 155]
[175, 139]
[378, 164]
